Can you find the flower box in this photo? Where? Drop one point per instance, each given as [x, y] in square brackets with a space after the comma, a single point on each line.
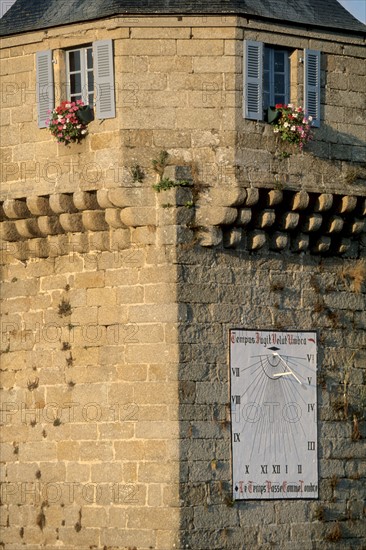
[65, 124]
[292, 125]
[273, 115]
[85, 114]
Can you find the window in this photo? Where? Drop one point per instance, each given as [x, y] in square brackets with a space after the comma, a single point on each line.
[89, 76]
[276, 77]
[80, 75]
[267, 80]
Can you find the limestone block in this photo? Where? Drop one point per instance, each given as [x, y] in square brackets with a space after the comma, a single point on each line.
[300, 200]
[39, 248]
[49, 225]
[252, 196]
[132, 197]
[233, 238]
[178, 196]
[312, 222]
[9, 232]
[85, 200]
[113, 217]
[170, 215]
[344, 246]
[256, 240]
[228, 196]
[265, 219]
[103, 200]
[323, 244]
[347, 204]
[99, 241]
[94, 220]
[362, 207]
[290, 220]
[244, 216]
[357, 226]
[78, 243]
[143, 235]
[61, 203]
[279, 241]
[39, 206]
[323, 202]
[136, 217]
[217, 215]
[334, 224]
[273, 197]
[300, 242]
[210, 236]
[16, 209]
[120, 239]
[71, 222]
[28, 228]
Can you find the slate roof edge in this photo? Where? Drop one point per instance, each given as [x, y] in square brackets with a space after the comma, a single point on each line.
[234, 13]
[307, 26]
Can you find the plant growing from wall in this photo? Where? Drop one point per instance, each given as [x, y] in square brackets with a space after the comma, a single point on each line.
[137, 173]
[64, 308]
[165, 183]
[354, 276]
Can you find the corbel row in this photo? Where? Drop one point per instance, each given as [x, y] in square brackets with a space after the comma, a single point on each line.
[285, 220]
[43, 216]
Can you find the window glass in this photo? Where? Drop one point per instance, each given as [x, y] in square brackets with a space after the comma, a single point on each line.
[89, 58]
[74, 60]
[80, 76]
[75, 83]
[276, 76]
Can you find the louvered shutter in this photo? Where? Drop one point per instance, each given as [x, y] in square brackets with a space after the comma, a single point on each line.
[312, 85]
[104, 78]
[253, 80]
[44, 86]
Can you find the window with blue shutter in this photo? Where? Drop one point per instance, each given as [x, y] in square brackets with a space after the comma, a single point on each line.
[267, 80]
[44, 86]
[253, 79]
[104, 79]
[312, 85]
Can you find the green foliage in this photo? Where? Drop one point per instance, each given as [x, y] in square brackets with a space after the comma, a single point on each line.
[166, 183]
[137, 173]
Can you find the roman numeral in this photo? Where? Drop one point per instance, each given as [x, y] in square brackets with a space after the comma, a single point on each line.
[309, 380]
[236, 438]
[264, 469]
[299, 469]
[311, 445]
[235, 399]
[235, 371]
[310, 357]
[246, 469]
[311, 407]
[276, 468]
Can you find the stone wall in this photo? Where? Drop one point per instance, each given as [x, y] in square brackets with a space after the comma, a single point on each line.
[224, 289]
[117, 299]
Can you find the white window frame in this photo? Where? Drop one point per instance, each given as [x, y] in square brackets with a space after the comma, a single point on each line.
[86, 95]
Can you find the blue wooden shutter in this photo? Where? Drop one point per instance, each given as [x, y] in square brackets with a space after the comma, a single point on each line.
[312, 85]
[104, 79]
[253, 80]
[45, 87]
